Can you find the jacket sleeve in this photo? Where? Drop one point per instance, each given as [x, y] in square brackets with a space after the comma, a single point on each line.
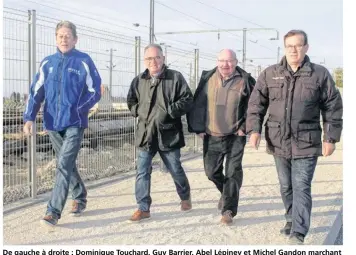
[37, 94]
[250, 85]
[93, 83]
[183, 100]
[132, 99]
[257, 105]
[331, 109]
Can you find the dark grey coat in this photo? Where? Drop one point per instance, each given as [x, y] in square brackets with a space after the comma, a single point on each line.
[295, 103]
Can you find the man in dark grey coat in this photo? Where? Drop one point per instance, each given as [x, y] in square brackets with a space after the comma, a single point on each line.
[296, 92]
[158, 97]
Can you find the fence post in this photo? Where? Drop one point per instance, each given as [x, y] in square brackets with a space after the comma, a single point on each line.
[137, 72]
[196, 81]
[32, 71]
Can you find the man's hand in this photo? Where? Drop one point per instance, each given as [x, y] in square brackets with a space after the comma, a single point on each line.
[27, 128]
[328, 149]
[240, 133]
[255, 139]
[201, 135]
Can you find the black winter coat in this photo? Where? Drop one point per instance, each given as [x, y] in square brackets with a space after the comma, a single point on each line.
[159, 107]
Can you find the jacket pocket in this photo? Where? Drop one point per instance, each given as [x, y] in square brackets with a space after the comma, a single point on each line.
[168, 135]
[275, 91]
[309, 92]
[309, 135]
[273, 134]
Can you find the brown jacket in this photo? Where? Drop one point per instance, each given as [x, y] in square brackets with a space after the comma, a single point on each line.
[295, 102]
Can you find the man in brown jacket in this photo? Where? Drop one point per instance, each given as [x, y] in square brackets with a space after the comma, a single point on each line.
[296, 92]
[218, 116]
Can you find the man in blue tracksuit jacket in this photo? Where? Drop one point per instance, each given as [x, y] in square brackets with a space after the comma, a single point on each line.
[69, 85]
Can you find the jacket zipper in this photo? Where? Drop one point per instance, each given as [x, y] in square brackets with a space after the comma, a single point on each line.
[288, 85]
[287, 131]
[60, 67]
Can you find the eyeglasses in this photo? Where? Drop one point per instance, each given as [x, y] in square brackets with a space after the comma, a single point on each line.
[230, 61]
[150, 59]
[297, 47]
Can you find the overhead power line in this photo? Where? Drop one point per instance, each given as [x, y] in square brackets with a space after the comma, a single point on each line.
[84, 16]
[213, 7]
[192, 17]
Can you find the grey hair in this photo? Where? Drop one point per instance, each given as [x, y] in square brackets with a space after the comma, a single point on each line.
[67, 24]
[154, 45]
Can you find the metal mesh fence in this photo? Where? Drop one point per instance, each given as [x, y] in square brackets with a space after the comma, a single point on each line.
[15, 79]
[108, 144]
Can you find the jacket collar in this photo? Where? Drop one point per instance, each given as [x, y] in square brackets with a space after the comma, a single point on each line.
[208, 74]
[305, 70]
[67, 54]
[146, 74]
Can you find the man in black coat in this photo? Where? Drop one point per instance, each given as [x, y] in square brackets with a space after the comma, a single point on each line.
[296, 91]
[158, 97]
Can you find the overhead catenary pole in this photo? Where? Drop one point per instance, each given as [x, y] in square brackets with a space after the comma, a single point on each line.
[111, 67]
[32, 72]
[110, 72]
[152, 19]
[278, 52]
[244, 49]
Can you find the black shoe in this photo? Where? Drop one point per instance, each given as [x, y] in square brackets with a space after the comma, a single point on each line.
[296, 238]
[286, 229]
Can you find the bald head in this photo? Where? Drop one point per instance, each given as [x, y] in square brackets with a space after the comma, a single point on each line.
[226, 63]
[224, 53]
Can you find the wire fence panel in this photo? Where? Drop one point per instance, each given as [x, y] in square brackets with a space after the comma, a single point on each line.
[15, 80]
[108, 145]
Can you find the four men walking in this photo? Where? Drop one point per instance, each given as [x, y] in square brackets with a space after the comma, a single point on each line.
[227, 105]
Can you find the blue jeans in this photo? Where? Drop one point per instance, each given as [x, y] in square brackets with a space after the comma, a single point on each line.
[172, 161]
[66, 145]
[295, 177]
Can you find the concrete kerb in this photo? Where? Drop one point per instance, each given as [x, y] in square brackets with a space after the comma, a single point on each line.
[332, 236]
[24, 203]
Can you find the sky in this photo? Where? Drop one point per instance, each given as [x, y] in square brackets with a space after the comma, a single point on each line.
[321, 19]
[263, 19]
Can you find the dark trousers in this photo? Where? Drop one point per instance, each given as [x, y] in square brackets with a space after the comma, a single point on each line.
[295, 177]
[215, 150]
